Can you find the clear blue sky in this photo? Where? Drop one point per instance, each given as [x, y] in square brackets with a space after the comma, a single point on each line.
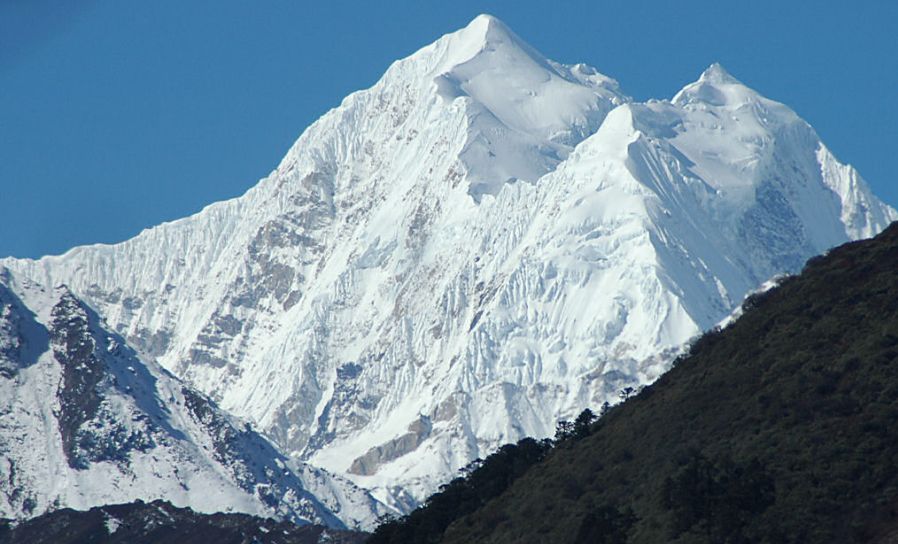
[117, 115]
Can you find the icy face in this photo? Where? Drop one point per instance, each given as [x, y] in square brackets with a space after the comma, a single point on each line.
[482, 243]
[85, 423]
[524, 112]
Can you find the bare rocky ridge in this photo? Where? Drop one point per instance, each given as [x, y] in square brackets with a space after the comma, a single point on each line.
[86, 422]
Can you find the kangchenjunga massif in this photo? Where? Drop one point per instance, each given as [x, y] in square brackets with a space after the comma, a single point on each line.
[482, 243]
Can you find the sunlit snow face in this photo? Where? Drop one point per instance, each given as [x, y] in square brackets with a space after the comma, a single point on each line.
[467, 252]
[525, 113]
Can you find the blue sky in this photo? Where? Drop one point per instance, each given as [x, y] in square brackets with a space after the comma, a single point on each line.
[117, 115]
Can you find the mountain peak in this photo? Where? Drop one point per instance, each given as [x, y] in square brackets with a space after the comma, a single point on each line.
[517, 102]
[549, 251]
[486, 33]
[486, 29]
[717, 87]
[488, 25]
[716, 73]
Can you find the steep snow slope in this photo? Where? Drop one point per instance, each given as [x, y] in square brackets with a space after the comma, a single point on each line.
[86, 423]
[470, 250]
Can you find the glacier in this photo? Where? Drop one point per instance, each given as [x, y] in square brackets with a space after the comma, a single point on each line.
[482, 243]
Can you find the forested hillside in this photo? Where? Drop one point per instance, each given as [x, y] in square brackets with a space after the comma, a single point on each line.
[159, 522]
[778, 429]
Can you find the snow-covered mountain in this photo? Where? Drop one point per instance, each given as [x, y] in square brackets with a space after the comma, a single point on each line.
[483, 242]
[84, 422]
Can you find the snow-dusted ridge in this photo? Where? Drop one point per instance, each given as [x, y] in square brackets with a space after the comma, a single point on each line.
[85, 422]
[483, 242]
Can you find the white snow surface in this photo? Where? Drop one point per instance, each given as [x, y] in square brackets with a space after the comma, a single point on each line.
[144, 442]
[480, 244]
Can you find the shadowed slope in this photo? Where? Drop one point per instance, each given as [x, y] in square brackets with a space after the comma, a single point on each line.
[160, 522]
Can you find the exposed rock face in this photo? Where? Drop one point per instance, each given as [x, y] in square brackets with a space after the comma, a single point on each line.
[84, 422]
[87, 424]
[368, 464]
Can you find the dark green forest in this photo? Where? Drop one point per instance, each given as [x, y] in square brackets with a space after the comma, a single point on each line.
[160, 522]
[782, 428]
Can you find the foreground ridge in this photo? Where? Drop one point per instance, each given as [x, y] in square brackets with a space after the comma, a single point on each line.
[159, 522]
[86, 422]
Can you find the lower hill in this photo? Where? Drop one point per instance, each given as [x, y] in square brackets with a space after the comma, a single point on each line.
[159, 522]
[85, 421]
[780, 428]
